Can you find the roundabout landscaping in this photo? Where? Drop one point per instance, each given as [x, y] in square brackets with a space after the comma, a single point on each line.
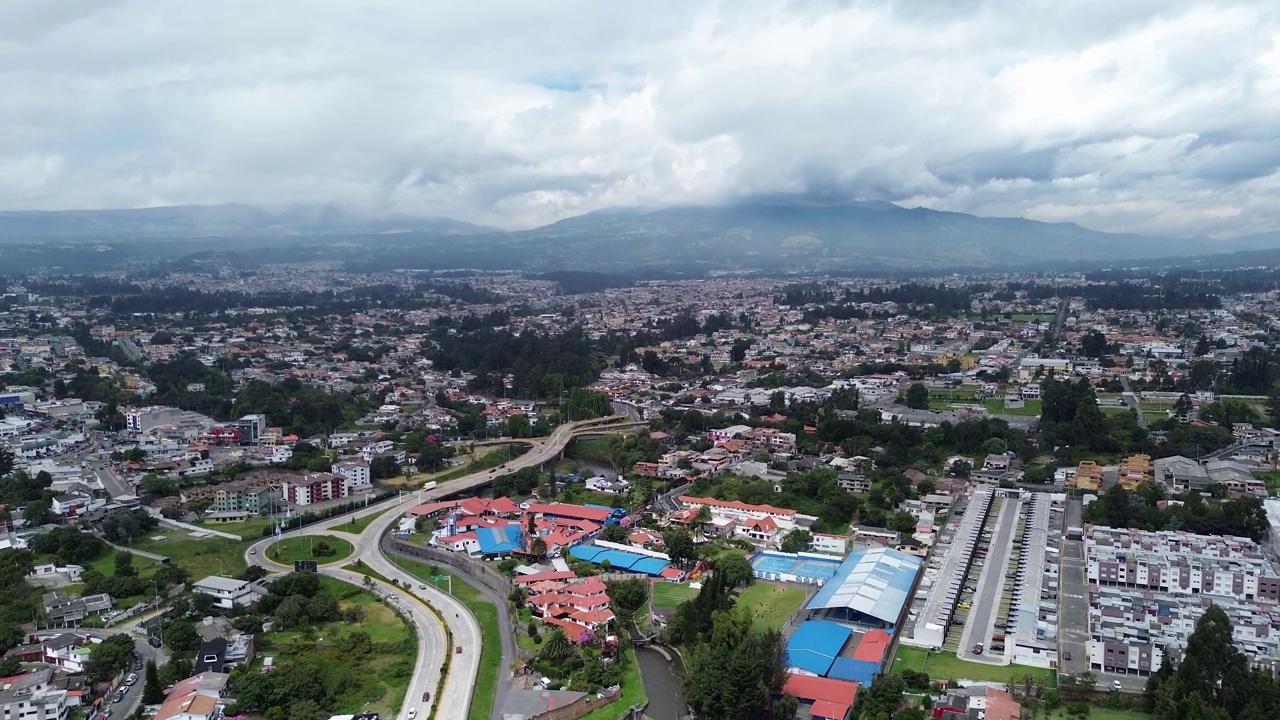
[323, 549]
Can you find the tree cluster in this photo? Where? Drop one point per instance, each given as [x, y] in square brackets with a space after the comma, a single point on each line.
[1117, 507]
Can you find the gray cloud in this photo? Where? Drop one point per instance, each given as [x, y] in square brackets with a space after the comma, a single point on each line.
[1131, 116]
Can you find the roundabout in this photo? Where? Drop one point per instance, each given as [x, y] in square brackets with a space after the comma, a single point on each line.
[323, 549]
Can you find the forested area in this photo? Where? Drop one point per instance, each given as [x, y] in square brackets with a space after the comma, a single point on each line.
[300, 409]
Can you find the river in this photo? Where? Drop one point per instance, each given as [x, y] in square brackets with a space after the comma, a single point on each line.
[662, 683]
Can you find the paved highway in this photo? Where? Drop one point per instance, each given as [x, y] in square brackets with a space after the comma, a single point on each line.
[1131, 400]
[1075, 601]
[456, 699]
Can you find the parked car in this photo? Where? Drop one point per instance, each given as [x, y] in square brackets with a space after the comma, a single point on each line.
[133, 678]
[154, 641]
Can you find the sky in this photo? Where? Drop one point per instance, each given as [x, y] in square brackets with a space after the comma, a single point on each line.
[1123, 115]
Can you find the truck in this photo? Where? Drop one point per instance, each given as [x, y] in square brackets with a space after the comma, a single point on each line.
[429, 486]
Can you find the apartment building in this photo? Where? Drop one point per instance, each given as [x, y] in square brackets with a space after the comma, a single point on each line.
[1135, 470]
[314, 488]
[35, 696]
[1088, 476]
[356, 475]
[226, 592]
[1147, 589]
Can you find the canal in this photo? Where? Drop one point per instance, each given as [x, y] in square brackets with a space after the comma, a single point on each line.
[663, 676]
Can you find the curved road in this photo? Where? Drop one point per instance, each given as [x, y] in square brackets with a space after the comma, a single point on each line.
[456, 699]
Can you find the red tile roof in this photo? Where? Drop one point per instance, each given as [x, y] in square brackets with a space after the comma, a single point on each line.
[872, 646]
[830, 698]
[735, 505]
[570, 511]
[526, 579]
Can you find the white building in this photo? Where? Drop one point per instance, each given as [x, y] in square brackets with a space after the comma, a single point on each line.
[226, 592]
[34, 697]
[355, 474]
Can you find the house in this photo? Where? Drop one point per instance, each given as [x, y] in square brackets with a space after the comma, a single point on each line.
[68, 651]
[854, 482]
[226, 592]
[762, 529]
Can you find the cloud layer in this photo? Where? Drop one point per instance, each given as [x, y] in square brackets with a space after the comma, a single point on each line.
[1131, 116]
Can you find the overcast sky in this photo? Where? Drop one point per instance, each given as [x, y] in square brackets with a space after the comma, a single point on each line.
[1129, 115]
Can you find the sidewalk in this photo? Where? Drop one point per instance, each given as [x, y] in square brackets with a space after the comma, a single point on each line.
[165, 522]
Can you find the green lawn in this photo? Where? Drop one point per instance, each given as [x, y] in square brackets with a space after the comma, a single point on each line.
[670, 595]
[356, 525]
[377, 681]
[946, 666]
[1272, 479]
[596, 447]
[489, 456]
[206, 556]
[292, 549]
[995, 406]
[771, 604]
[632, 689]
[1038, 317]
[487, 616]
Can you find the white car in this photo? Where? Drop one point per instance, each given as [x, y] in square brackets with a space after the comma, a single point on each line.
[413, 713]
[1115, 684]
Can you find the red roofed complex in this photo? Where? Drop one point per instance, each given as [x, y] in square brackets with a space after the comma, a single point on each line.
[740, 510]
[827, 699]
[576, 512]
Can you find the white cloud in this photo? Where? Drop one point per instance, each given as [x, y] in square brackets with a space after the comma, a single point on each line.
[1135, 116]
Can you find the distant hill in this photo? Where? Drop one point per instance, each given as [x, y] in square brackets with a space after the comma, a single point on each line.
[217, 221]
[779, 233]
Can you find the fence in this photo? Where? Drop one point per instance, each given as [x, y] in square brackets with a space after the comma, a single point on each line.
[492, 579]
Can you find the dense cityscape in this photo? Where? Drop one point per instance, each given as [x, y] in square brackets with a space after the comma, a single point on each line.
[873, 488]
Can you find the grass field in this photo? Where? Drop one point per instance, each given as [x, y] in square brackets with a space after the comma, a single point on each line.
[488, 456]
[597, 448]
[632, 689]
[771, 604]
[670, 595]
[1038, 317]
[491, 649]
[946, 666]
[1272, 479]
[206, 556]
[356, 525]
[291, 550]
[380, 679]
[995, 406]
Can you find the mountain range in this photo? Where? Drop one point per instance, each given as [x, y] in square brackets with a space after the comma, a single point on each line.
[767, 233]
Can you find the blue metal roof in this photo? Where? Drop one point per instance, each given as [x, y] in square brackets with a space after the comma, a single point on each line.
[815, 645]
[496, 540]
[859, 671]
[874, 582]
[620, 560]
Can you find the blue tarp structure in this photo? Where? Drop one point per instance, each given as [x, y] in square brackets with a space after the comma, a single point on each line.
[499, 540]
[620, 560]
[815, 645]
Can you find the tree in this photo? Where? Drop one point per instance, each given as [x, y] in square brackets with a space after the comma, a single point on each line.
[736, 569]
[798, 540]
[109, 658]
[679, 546]
[614, 533]
[557, 646]
[152, 691]
[124, 565]
[181, 637]
[538, 548]
[917, 397]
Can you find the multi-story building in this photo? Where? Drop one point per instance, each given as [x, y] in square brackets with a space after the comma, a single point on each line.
[34, 696]
[854, 482]
[1135, 470]
[1088, 476]
[1149, 588]
[356, 475]
[315, 487]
